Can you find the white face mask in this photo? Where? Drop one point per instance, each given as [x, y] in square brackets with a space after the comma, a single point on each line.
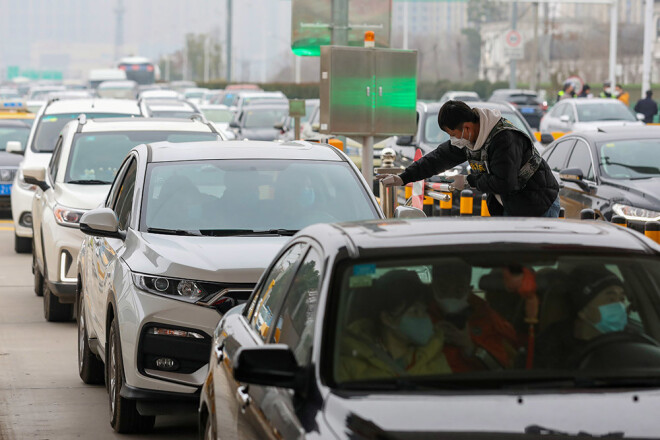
[460, 142]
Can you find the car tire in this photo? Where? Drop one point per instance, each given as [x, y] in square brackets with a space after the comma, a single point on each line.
[54, 310]
[38, 279]
[124, 416]
[22, 245]
[90, 368]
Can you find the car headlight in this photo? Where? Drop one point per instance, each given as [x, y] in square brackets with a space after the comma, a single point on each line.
[68, 216]
[175, 288]
[21, 183]
[633, 213]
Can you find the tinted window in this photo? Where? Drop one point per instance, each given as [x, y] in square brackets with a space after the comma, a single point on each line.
[272, 291]
[14, 133]
[55, 160]
[295, 326]
[630, 159]
[124, 204]
[264, 118]
[604, 111]
[558, 155]
[581, 159]
[432, 132]
[218, 114]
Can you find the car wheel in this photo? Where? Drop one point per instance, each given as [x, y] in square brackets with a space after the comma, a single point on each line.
[38, 279]
[22, 245]
[54, 310]
[90, 367]
[124, 416]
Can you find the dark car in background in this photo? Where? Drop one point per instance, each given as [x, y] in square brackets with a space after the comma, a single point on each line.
[308, 357]
[527, 102]
[257, 122]
[614, 171]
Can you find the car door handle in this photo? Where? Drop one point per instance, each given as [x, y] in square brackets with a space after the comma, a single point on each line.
[243, 397]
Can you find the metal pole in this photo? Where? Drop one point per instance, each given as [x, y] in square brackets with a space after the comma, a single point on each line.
[119, 29]
[368, 160]
[296, 128]
[614, 18]
[207, 42]
[533, 83]
[512, 63]
[228, 42]
[405, 25]
[340, 22]
[298, 72]
[185, 58]
[648, 47]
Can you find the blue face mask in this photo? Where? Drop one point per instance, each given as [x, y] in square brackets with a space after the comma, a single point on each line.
[418, 329]
[307, 197]
[613, 318]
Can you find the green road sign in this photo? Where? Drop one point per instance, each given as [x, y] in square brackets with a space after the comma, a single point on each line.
[15, 71]
[311, 24]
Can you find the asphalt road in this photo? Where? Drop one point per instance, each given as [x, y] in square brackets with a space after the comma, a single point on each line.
[41, 394]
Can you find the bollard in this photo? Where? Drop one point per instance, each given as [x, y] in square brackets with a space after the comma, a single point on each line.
[652, 231]
[484, 206]
[388, 196]
[619, 220]
[562, 213]
[466, 202]
[588, 214]
[446, 204]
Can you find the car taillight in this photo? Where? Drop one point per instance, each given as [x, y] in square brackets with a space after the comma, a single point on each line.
[150, 68]
[544, 106]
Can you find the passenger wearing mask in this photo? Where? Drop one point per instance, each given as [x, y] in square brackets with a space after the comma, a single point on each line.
[397, 337]
[476, 336]
[597, 308]
[622, 95]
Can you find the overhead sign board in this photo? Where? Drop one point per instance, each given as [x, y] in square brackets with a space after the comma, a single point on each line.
[311, 24]
[514, 49]
[369, 92]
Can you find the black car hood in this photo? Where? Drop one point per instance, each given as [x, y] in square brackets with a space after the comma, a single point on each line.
[10, 159]
[410, 416]
[260, 134]
[643, 193]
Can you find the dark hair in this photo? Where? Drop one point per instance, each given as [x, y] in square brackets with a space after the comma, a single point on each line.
[586, 87]
[588, 281]
[619, 86]
[649, 93]
[396, 291]
[454, 113]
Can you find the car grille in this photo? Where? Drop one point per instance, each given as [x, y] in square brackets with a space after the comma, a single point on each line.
[7, 174]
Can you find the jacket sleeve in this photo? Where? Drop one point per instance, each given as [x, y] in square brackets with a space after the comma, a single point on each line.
[505, 159]
[444, 157]
[637, 106]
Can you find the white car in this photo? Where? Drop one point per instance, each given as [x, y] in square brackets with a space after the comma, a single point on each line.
[578, 114]
[50, 119]
[168, 108]
[220, 115]
[195, 94]
[157, 94]
[183, 236]
[84, 163]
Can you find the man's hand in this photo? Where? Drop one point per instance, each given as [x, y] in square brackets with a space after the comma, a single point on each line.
[472, 180]
[389, 179]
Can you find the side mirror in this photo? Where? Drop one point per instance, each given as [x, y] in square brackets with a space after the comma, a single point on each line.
[279, 126]
[573, 175]
[234, 124]
[36, 176]
[547, 138]
[640, 116]
[14, 147]
[316, 127]
[564, 118]
[101, 222]
[404, 140]
[271, 365]
[408, 212]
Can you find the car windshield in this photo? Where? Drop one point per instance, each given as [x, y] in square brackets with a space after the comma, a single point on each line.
[97, 156]
[218, 114]
[264, 118]
[523, 99]
[178, 114]
[515, 120]
[485, 320]
[604, 111]
[433, 134]
[49, 128]
[13, 133]
[630, 159]
[236, 196]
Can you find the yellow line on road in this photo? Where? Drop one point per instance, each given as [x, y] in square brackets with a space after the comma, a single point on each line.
[6, 229]
[6, 221]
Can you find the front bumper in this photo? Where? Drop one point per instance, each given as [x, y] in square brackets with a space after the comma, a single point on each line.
[60, 250]
[21, 205]
[152, 403]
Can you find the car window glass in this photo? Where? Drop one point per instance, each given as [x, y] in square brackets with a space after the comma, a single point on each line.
[295, 325]
[630, 158]
[114, 190]
[432, 132]
[55, 160]
[272, 290]
[612, 110]
[124, 204]
[558, 155]
[581, 159]
[14, 132]
[557, 110]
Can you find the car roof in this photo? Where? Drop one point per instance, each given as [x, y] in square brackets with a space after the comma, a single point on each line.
[583, 101]
[143, 124]
[514, 92]
[97, 105]
[432, 107]
[619, 132]
[211, 150]
[475, 233]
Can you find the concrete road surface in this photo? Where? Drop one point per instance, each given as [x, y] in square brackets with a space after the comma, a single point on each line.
[41, 394]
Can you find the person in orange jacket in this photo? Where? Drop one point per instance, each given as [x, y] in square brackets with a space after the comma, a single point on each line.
[622, 95]
[476, 336]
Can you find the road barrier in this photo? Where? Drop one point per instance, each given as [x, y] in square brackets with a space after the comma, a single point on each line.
[652, 231]
[588, 214]
[562, 213]
[619, 220]
[467, 202]
[484, 206]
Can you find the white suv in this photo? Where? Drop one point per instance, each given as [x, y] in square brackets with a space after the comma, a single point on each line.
[48, 123]
[85, 160]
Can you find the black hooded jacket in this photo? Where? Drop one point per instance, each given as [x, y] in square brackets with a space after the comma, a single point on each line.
[508, 152]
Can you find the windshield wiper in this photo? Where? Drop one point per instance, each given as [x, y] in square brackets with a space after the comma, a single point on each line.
[287, 232]
[225, 232]
[541, 430]
[89, 182]
[173, 231]
[637, 168]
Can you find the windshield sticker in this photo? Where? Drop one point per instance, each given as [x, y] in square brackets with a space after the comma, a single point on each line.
[610, 145]
[49, 119]
[360, 281]
[364, 269]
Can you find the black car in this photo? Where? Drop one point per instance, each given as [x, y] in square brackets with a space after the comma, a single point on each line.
[615, 170]
[527, 102]
[16, 130]
[257, 122]
[323, 350]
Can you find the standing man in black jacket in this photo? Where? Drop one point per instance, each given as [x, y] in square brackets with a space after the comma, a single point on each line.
[503, 160]
[647, 106]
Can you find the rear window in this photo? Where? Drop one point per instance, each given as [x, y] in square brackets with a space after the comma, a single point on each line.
[524, 99]
[604, 111]
[13, 133]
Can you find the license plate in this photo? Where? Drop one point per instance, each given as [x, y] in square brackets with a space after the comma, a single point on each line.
[5, 189]
[527, 110]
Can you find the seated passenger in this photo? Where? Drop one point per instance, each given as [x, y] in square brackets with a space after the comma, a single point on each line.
[397, 337]
[596, 308]
[476, 336]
